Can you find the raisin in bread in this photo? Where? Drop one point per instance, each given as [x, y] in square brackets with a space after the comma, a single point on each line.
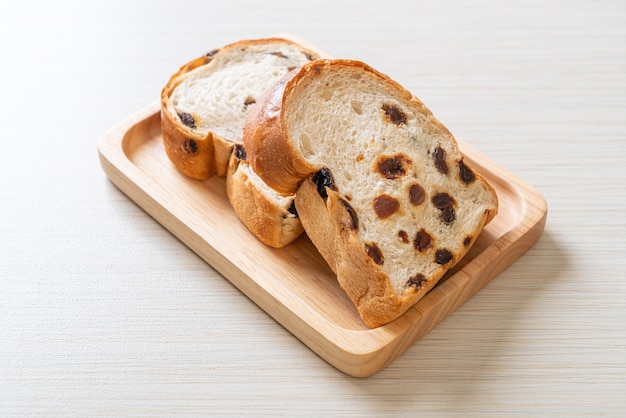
[270, 216]
[381, 187]
[204, 104]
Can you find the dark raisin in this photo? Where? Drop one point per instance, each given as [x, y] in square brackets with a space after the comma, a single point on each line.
[375, 254]
[353, 216]
[308, 56]
[392, 167]
[212, 53]
[249, 100]
[467, 241]
[291, 68]
[439, 156]
[385, 206]
[187, 120]
[240, 152]
[416, 281]
[422, 241]
[404, 237]
[448, 214]
[292, 209]
[324, 179]
[417, 194]
[443, 256]
[466, 174]
[279, 54]
[190, 146]
[394, 114]
[445, 203]
[442, 200]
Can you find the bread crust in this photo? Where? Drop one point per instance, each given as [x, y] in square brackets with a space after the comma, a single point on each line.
[201, 156]
[272, 154]
[327, 224]
[192, 154]
[270, 223]
[276, 158]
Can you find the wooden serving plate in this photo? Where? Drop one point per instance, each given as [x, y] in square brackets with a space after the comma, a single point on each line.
[293, 284]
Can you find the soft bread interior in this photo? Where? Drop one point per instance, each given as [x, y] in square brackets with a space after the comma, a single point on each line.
[219, 94]
[382, 149]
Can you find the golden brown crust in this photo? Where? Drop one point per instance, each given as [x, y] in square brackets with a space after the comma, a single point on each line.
[271, 224]
[328, 225]
[208, 154]
[271, 154]
[222, 150]
[192, 154]
[274, 156]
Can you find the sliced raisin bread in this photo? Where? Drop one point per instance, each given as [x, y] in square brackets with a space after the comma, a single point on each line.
[204, 106]
[205, 103]
[381, 187]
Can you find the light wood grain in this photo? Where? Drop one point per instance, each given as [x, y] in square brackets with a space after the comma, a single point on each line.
[294, 284]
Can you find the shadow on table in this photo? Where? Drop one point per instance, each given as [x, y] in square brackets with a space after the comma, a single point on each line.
[477, 344]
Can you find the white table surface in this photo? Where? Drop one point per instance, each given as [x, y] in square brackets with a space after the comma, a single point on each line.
[105, 313]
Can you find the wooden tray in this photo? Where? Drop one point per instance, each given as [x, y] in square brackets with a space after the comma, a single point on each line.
[293, 284]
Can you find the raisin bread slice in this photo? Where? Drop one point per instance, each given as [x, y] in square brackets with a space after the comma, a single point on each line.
[381, 187]
[270, 216]
[204, 104]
